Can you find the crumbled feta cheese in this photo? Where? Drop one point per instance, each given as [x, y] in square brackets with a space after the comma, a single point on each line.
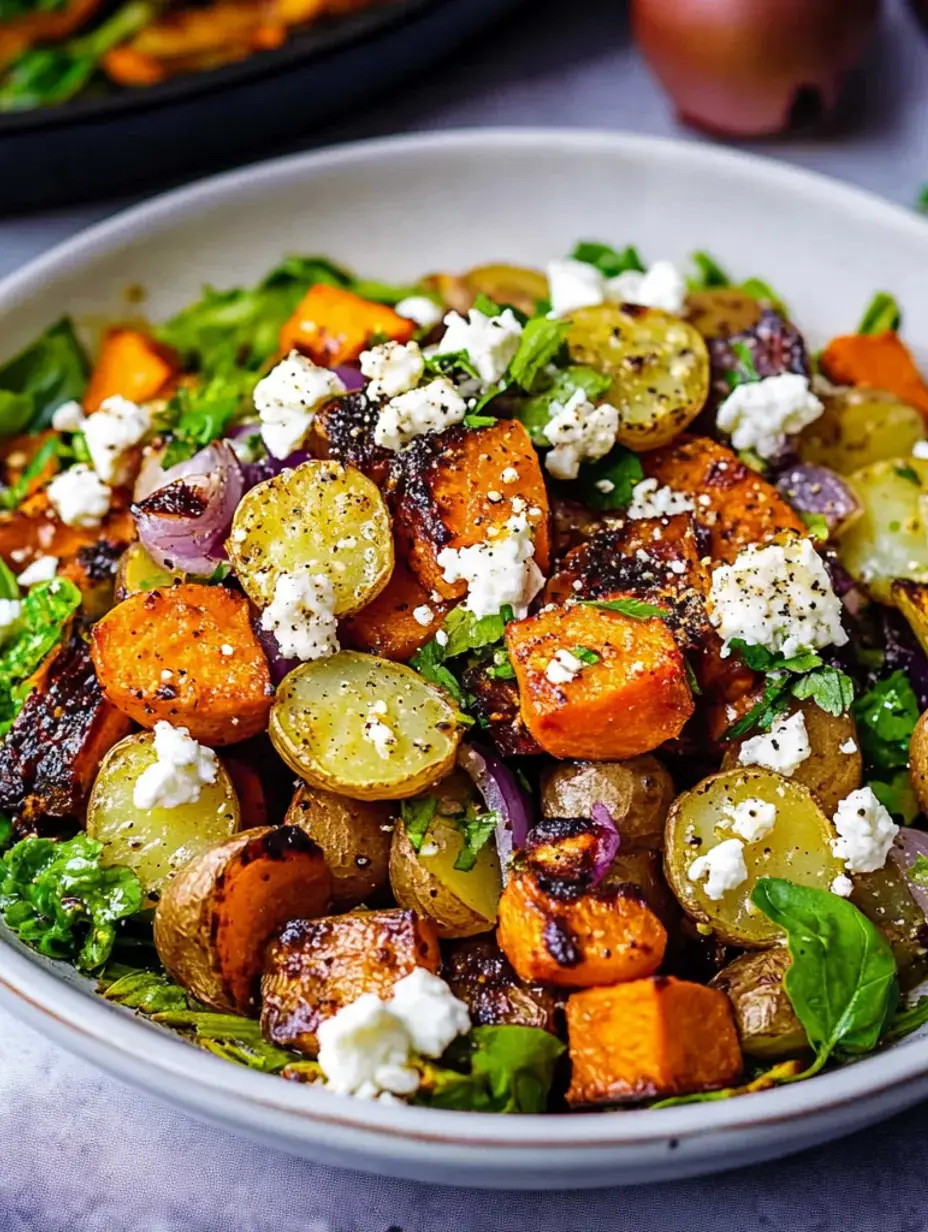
[226, 649]
[42, 569]
[287, 400]
[302, 616]
[429, 1010]
[364, 1050]
[423, 615]
[778, 596]
[563, 668]
[722, 866]
[760, 415]
[111, 432]
[783, 749]
[441, 637]
[579, 432]
[392, 368]
[572, 285]
[419, 308]
[379, 733]
[79, 496]
[842, 885]
[431, 408]
[865, 832]
[509, 475]
[490, 342]
[650, 500]
[849, 746]
[920, 449]
[605, 486]
[69, 417]
[498, 572]
[752, 819]
[661, 286]
[179, 773]
[10, 612]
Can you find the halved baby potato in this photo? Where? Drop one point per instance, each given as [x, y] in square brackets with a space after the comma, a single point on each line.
[720, 312]
[517, 285]
[320, 516]
[355, 839]
[798, 848]
[659, 367]
[859, 427]
[890, 538]
[364, 727]
[155, 843]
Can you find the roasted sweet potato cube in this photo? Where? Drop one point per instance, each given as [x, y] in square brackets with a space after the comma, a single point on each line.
[130, 364]
[456, 486]
[34, 530]
[389, 625]
[650, 1038]
[633, 698]
[51, 756]
[344, 431]
[481, 975]
[876, 361]
[317, 966]
[734, 506]
[333, 326]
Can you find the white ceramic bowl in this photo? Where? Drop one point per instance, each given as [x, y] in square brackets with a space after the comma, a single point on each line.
[395, 208]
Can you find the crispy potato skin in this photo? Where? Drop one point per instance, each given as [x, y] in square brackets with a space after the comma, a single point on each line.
[333, 326]
[638, 794]
[355, 839]
[132, 365]
[918, 759]
[442, 496]
[53, 751]
[629, 702]
[481, 975]
[315, 967]
[215, 917]
[220, 699]
[767, 1024]
[721, 311]
[649, 1038]
[386, 626]
[734, 506]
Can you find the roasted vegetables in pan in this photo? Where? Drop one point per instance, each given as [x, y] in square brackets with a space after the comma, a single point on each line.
[505, 692]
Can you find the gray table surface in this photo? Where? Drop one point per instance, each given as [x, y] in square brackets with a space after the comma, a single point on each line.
[82, 1152]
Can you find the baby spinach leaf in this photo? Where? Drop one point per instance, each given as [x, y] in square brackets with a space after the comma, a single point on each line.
[535, 412]
[505, 1069]
[476, 829]
[49, 372]
[200, 414]
[540, 343]
[842, 980]
[609, 483]
[637, 609]
[44, 612]
[417, 815]
[607, 260]
[228, 1036]
[149, 991]
[708, 273]
[886, 717]
[907, 1018]
[882, 313]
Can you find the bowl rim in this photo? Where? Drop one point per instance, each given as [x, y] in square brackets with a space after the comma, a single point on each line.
[98, 1029]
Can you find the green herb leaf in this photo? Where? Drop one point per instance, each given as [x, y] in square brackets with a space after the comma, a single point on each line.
[609, 483]
[501, 668]
[9, 587]
[476, 829]
[13, 496]
[636, 608]
[886, 717]
[50, 371]
[746, 372]
[535, 413]
[149, 991]
[585, 655]
[817, 524]
[831, 690]
[504, 1069]
[918, 870]
[608, 260]
[882, 314]
[842, 979]
[897, 796]
[907, 1018]
[484, 304]
[200, 414]
[429, 662]
[417, 815]
[479, 421]
[228, 1036]
[465, 631]
[909, 473]
[758, 289]
[540, 343]
[708, 273]
[45, 610]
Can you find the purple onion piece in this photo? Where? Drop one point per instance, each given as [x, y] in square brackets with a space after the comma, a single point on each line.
[816, 489]
[501, 793]
[278, 665]
[902, 650]
[350, 376]
[608, 841]
[267, 468]
[909, 845]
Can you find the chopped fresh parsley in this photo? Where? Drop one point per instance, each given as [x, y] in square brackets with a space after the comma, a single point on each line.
[610, 482]
[13, 496]
[801, 676]
[201, 414]
[745, 372]
[882, 314]
[476, 828]
[817, 525]
[539, 346]
[417, 815]
[886, 716]
[505, 1069]
[918, 870]
[637, 609]
[585, 655]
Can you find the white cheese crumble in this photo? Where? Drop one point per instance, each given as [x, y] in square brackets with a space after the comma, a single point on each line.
[722, 866]
[842, 886]
[423, 615]
[572, 285]
[430, 1011]
[392, 368]
[920, 449]
[849, 746]
[419, 308]
[497, 572]
[69, 417]
[287, 400]
[490, 342]
[760, 415]
[379, 733]
[783, 749]
[509, 474]
[10, 612]
[42, 569]
[660, 286]
[865, 832]
[79, 496]
[302, 616]
[752, 819]
[431, 408]
[579, 432]
[650, 500]
[778, 596]
[178, 775]
[111, 433]
[563, 668]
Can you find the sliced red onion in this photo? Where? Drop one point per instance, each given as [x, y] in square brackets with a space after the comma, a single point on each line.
[816, 489]
[905, 850]
[278, 665]
[608, 840]
[184, 521]
[350, 376]
[501, 793]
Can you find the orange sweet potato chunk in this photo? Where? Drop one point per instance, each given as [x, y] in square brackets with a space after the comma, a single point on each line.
[648, 1039]
[333, 326]
[132, 365]
[631, 700]
[876, 361]
[387, 626]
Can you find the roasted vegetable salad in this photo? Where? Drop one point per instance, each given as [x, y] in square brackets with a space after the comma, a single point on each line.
[502, 692]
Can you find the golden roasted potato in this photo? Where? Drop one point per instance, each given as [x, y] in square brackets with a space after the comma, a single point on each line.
[504, 284]
[859, 427]
[722, 311]
[315, 967]
[460, 903]
[155, 843]
[355, 839]
[638, 794]
[911, 598]
[829, 772]
[885, 899]
[137, 571]
[889, 540]
[644, 870]
[766, 1021]
[918, 762]
[481, 976]
[364, 727]
[215, 918]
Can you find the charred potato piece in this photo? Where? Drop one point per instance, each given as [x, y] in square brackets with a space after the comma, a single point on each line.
[344, 429]
[911, 598]
[496, 708]
[504, 284]
[885, 899]
[722, 311]
[50, 757]
[638, 794]
[215, 918]
[355, 839]
[766, 1021]
[481, 975]
[859, 427]
[918, 761]
[315, 967]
